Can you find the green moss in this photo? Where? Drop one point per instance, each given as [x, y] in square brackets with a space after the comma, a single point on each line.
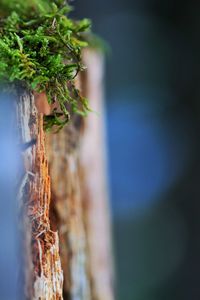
[40, 47]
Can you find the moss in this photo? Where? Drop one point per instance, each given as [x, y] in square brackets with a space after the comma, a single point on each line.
[40, 48]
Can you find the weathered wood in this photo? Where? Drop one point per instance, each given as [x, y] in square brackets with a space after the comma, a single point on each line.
[67, 210]
[80, 209]
[76, 262]
[43, 277]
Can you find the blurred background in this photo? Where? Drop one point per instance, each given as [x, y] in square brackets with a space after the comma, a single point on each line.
[153, 124]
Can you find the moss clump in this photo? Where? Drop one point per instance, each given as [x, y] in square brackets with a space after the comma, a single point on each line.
[40, 47]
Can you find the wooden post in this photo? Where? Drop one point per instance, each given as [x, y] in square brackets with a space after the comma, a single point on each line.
[66, 222]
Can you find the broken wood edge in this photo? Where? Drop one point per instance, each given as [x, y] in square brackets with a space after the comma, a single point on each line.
[43, 276]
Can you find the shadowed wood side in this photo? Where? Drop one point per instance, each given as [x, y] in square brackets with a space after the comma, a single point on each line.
[67, 210]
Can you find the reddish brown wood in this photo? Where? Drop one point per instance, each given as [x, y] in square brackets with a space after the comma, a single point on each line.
[42, 270]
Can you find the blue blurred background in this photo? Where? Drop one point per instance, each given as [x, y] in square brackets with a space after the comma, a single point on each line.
[153, 125]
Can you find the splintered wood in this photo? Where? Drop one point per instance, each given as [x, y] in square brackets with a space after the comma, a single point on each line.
[65, 217]
[43, 277]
